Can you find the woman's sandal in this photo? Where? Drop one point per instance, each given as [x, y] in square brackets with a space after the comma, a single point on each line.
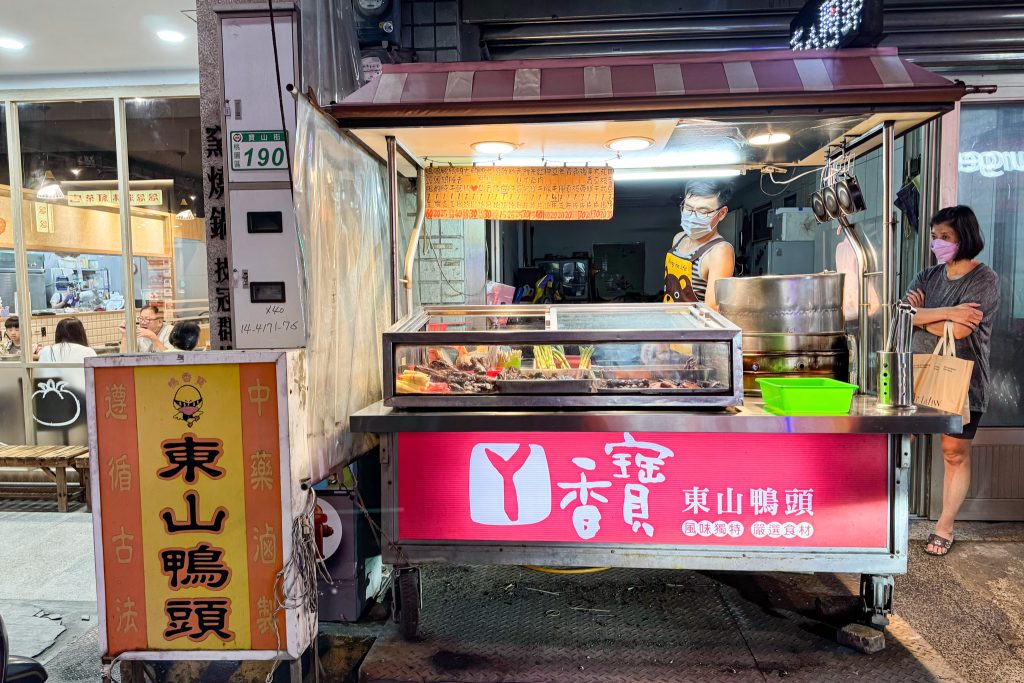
[938, 541]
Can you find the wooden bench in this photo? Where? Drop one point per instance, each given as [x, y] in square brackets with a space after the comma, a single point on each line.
[54, 461]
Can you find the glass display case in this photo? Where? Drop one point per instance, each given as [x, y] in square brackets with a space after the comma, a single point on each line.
[639, 355]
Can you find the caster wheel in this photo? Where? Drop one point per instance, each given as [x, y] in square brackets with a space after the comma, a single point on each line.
[407, 602]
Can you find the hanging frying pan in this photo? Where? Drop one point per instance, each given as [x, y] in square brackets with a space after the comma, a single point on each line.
[818, 208]
[828, 196]
[849, 196]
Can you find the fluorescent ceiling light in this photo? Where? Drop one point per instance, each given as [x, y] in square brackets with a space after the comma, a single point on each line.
[676, 174]
[171, 36]
[11, 44]
[631, 144]
[765, 139]
[186, 213]
[50, 188]
[494, 147]
[690, 157]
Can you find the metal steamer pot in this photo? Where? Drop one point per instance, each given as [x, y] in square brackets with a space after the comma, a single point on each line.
[788, 304]
[792, 326]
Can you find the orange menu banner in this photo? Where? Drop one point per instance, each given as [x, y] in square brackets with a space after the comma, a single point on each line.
[520, 193]
[190, 481]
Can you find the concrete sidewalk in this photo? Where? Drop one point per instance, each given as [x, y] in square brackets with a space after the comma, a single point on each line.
[957, 618]
[969, 605]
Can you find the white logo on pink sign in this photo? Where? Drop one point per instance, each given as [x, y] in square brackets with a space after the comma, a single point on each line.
[509, 484]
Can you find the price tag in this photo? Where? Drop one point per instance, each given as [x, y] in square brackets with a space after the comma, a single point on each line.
[259, 150]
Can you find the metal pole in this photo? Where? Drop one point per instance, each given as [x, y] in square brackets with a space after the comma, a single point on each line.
[23, 299]
[393, 221]
[888, 232]
[930, 166]
[125, 214]
[414, 239]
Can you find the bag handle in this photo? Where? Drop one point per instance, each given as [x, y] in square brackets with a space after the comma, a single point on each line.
[940, 348]
[950, 339]
[947, 342]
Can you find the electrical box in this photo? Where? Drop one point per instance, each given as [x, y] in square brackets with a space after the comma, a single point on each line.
[253, 98]
[268, 293]
[259, 136]
[378, 21]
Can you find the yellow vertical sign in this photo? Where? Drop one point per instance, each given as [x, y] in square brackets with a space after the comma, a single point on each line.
[193, 479]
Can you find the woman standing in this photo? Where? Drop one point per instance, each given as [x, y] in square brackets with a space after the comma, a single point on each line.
[963, 291]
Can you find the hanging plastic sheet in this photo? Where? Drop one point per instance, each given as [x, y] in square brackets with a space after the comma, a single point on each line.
[341, 208]
[330, 49]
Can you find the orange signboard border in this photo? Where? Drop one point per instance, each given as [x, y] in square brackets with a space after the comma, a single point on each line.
[293, 639]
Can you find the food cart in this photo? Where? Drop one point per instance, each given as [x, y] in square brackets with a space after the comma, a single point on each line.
[516, 435]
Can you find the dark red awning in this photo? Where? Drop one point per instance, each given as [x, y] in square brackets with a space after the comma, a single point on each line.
[864, 78]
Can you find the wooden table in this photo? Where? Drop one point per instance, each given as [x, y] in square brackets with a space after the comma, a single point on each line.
[54, 461]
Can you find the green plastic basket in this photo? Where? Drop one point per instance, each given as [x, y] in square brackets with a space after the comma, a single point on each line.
[806, 395]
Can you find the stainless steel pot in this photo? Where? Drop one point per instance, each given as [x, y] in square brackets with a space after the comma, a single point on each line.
[796, 355]
[790, 304]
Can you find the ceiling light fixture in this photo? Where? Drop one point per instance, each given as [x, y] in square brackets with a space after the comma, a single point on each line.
[186, 213]
[49, 189]
[11, 44]
[171, 36]
[676, 174]
[765, 139]
[76, 172]
[494, 147]
[631, 144]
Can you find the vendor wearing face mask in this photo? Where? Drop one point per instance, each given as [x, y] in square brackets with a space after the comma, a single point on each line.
[699, 255]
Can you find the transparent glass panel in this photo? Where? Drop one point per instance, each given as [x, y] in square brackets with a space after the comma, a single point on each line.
[10, 330]
[72, 234]
[992, 183]
[165, 148]
[58, 399]
[658, 317]
[520, 369]
[13, 381]
[481, 323]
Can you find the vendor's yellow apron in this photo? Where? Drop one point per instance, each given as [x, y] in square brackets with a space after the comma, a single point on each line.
[678, 279]
[679, 274]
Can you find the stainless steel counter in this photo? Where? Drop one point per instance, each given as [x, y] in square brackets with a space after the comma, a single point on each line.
[864, 418]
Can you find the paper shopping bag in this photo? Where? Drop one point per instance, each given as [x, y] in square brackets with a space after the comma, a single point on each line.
[941, 380]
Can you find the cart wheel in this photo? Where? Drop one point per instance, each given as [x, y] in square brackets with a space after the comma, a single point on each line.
[407, 601]
[876, 599]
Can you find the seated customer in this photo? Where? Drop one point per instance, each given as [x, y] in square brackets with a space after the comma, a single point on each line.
[10, 342]
[152, 332]
[184, 336]
[70, 346]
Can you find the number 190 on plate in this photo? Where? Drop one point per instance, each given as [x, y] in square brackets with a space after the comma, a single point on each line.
[259, 150]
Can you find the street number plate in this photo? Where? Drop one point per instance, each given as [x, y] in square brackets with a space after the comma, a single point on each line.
[259, 150]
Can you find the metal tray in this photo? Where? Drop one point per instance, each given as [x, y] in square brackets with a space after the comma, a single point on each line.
[544, 386]
[653, 391]
[654, 372]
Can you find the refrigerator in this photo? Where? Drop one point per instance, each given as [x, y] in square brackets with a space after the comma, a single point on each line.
[36, 281]
[775, 257]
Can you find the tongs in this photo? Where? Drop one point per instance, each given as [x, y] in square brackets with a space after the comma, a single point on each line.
[901, 330]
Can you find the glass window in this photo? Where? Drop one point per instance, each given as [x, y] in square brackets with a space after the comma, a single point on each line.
[992, 183]
[10, 332]
[165, 147]
[73, 238]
